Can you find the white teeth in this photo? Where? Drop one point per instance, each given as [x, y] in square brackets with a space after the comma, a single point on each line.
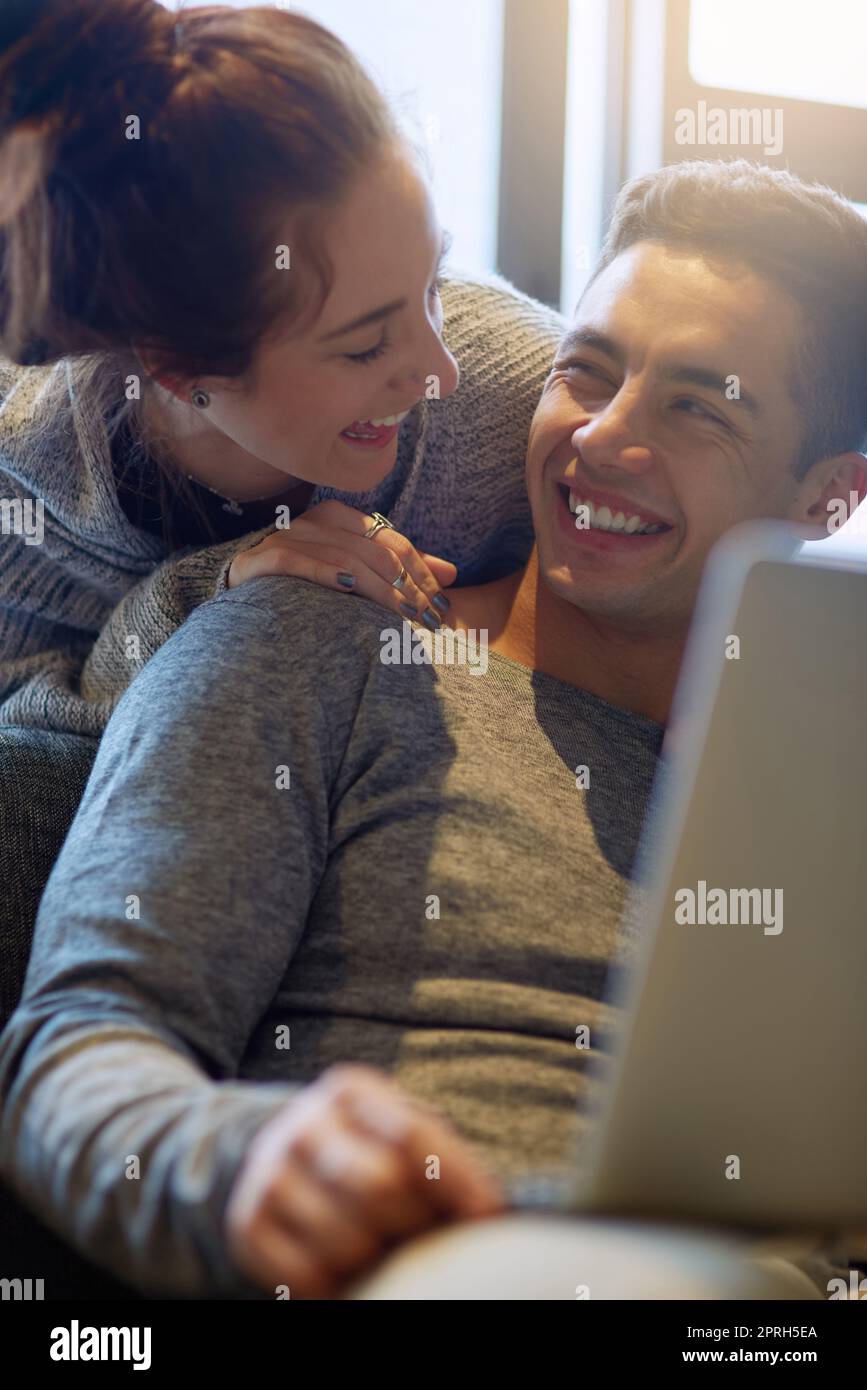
[386, 419]
[603, 520]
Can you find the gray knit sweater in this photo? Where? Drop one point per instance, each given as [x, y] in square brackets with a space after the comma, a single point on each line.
[457, 490]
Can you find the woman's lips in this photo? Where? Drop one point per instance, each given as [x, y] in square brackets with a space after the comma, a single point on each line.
[365, 436]
[374, 434]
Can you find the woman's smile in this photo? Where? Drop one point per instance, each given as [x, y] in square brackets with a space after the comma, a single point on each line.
[373, 434]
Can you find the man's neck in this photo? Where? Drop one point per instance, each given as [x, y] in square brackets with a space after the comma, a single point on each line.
[527, 622]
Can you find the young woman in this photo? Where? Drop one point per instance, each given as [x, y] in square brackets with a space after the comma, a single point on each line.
[221, 312]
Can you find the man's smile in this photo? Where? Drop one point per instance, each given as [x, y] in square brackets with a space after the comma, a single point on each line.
[600, 529]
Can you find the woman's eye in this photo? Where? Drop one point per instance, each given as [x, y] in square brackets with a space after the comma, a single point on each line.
[368, 356]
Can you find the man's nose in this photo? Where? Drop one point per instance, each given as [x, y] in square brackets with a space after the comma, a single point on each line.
[614, 437]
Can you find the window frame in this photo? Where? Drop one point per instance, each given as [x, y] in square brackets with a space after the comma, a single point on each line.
[821, 142]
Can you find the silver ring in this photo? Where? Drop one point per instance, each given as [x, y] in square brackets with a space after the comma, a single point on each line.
[379, 523]
[401, 579]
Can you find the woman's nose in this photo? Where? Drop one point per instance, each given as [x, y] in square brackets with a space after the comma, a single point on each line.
[434, 374]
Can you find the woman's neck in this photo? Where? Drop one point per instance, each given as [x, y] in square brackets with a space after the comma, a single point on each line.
[204, 453]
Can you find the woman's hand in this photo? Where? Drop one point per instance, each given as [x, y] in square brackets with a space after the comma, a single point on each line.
[342, 1173]
[327, 544]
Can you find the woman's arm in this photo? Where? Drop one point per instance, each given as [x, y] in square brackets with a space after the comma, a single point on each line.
[67, 553]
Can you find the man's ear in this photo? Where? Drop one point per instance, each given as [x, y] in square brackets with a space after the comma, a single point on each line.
[831, 491]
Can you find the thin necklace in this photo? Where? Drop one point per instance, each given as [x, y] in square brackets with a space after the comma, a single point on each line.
[229, 503]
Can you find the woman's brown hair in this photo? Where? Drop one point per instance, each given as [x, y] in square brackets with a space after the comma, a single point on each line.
[151, 166]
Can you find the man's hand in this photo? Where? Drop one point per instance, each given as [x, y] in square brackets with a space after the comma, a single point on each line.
[339, 1175]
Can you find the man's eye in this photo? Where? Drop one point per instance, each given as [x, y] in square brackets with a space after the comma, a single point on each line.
[586, 369]
[696, 407]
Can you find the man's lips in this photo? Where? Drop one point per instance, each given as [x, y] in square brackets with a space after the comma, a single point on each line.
[593, 539]
[614, 502]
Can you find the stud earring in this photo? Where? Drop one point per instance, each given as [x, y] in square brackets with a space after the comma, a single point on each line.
[200, 398]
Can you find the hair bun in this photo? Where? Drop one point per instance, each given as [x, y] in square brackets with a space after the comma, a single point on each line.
[52, 48]
[17, 19]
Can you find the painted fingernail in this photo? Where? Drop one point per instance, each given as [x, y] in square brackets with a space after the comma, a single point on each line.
[430, 619]
[440, 601]
[408, 610]
[347, 580]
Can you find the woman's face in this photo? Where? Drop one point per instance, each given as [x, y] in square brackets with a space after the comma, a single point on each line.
[373, 352]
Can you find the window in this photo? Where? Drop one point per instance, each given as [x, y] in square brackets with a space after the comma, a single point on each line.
[441, 67]
[786, 78]
[800, 49]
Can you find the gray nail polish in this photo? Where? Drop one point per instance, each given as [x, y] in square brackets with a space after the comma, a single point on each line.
[440, 601]
[430, 619]
[347, 580]
[408, 610]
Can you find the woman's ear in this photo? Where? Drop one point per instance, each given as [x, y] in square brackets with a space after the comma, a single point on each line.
[173, 384]
[831, 491]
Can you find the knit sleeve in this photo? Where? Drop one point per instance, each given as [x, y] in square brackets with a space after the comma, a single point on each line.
[148, 615]
[67, 554]
[53, 602]
[472, 505]
[74, 566]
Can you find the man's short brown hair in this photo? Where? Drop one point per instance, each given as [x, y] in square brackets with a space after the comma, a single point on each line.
[803, 237]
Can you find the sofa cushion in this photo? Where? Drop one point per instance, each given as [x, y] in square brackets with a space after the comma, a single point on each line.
[42, 779]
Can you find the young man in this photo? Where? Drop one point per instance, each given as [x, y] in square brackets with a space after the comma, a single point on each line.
[312, 857]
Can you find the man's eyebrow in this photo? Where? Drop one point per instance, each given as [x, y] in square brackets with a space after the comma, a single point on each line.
[591, 338]
[682, 371]
[715, 381]
[372, 317]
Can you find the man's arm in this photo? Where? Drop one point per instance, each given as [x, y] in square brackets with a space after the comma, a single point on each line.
[166, 926]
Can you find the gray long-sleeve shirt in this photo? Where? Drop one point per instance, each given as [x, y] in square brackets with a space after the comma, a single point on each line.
[431, 893]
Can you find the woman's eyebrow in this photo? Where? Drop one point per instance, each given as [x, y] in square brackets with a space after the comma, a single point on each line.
[363, 319]
[376, 314]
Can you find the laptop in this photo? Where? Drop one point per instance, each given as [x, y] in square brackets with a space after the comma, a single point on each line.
[738, 1093]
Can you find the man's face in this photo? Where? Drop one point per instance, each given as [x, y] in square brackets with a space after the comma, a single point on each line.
[668, 398]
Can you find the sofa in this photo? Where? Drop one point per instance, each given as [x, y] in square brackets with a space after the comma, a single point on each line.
[42, 778]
